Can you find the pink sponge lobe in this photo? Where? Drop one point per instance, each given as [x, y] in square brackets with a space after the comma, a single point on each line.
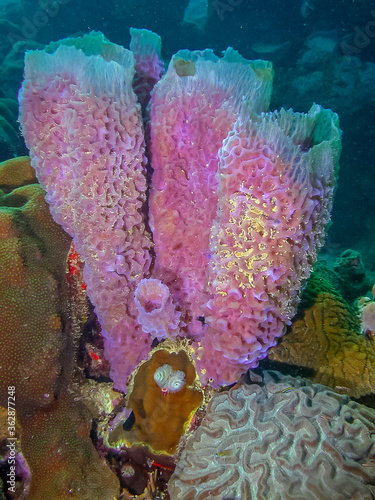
[193, 108]
[274, 203]
[83, 127]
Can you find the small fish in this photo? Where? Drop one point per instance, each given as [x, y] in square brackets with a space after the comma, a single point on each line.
[326, 417]
[342, 388]
[156, 464]
[369, 463]
[288, 389]
[225, 453]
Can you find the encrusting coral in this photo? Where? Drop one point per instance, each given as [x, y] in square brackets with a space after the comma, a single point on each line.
[162, 413]
[63, 461]
[36, 356]
[279, 438]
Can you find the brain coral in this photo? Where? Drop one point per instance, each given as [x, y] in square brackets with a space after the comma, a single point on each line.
[325, 335]
[328, 339]
[279, 438]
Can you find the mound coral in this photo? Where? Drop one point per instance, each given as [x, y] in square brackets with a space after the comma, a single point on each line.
[239, 198]
[328, 339]
[63, 461]
[36, 357]
[33, 250]
[279, 438]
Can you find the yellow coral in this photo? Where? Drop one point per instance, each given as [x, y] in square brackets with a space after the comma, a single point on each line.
[161, 418]
[327, 339]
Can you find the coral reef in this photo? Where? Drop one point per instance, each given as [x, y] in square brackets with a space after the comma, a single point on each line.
[320, 60]
[131, 465]
[162, 416]
[279, 438]
[238, 200]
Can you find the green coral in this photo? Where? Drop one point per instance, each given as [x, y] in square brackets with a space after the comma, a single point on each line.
[346, 279]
